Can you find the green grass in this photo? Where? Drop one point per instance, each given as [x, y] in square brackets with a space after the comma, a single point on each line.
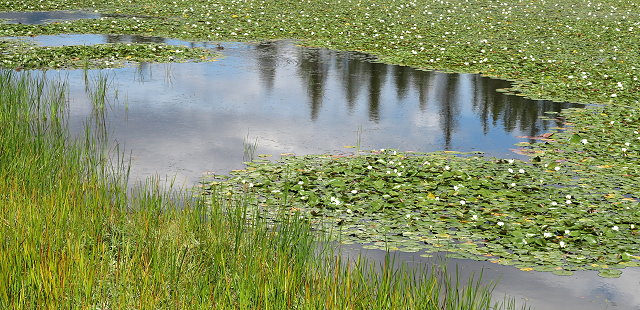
[73, 236]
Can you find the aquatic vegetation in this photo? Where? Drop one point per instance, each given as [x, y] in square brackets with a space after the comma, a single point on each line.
[534, 215]
[21, 55]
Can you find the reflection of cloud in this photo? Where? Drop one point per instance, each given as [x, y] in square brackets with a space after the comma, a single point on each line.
[191, 117]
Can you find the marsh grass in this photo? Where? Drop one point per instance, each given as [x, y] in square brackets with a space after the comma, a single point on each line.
[74, 236]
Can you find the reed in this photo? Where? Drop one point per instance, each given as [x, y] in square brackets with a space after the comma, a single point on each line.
[74, 236]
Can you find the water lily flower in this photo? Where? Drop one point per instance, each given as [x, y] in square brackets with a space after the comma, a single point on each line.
[510, 170]
[335, 201]
[547, 235]
[632, 226]
[553, 203]
[513, 184]
[556, 168]
[462, 202]
[369, 167]
[475, 217]
[624, 149]
[566, 232]
[562, 244]
[584, 141]
[447, 168]
[500, 223]
[354, 191]
[616, 228]
[521, 170]
[568, 202]
[300, 182]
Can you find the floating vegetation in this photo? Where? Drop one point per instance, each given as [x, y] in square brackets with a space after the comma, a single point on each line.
[22, 55]
[534, 215]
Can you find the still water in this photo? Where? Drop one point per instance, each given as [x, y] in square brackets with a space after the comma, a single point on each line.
[185, 119]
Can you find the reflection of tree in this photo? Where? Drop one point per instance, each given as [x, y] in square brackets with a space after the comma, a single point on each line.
[422, 84]
[514, 112]
[377, 76]
[125, 38]
[313, 69]
[351, 70]
[401, 77]
[447, 93]
[449, 108]
[267, 55]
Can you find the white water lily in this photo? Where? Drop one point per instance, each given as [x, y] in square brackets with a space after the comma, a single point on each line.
[616, 228]
[562, 244]
[510, 170]
[566, 232]
[462, 202]
[547, 235]
[300, 182]
[475, 217]
[521, 170]
[500, 223]
[584, 141]
[556, 168]
[447, 168]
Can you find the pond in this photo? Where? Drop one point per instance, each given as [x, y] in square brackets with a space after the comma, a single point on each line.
[185, 119]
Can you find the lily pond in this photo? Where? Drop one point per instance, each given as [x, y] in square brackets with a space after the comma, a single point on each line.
[421, 162]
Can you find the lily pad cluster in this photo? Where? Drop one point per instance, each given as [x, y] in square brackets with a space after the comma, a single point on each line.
[507, 211]
[21, 55]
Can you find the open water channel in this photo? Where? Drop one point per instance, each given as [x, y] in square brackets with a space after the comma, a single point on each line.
[184, 120]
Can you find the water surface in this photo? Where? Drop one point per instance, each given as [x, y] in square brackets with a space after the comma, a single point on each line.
[183, 119]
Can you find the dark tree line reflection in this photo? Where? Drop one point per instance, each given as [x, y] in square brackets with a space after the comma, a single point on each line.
[360, 75]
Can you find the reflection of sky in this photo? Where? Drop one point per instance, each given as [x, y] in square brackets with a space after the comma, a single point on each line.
[184, 119]
[583, 290]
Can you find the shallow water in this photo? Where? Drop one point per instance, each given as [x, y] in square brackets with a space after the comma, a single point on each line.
[584, 290]
[35, 18]
[183, 119]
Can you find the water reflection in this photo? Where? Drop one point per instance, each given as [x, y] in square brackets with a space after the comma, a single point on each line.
[584, 290]
[301, 100]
